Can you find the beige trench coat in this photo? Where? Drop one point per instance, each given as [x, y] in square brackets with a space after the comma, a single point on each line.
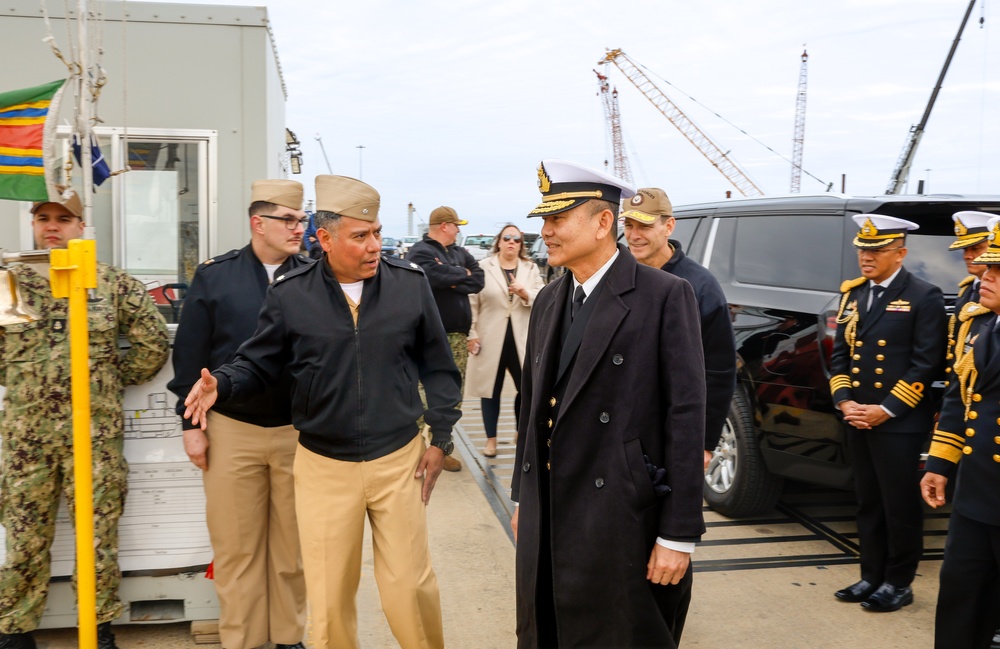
[491, 309]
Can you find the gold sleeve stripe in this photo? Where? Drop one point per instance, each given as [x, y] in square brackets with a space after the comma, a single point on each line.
[946, 452]
[839, 381]
[914, 391]
[944, 437]
[907, 396]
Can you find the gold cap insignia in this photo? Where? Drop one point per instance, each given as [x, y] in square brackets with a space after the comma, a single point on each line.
[960, 229]
[869, 229]
[544, 183]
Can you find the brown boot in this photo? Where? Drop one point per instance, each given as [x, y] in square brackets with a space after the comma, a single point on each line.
[451, 464]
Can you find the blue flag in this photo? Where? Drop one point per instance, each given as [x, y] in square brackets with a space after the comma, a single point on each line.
[101, 170]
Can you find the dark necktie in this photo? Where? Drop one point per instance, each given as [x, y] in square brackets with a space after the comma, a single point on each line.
[578, 296]
[877, 292]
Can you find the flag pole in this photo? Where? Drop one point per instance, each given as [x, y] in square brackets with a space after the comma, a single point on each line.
[79, 265]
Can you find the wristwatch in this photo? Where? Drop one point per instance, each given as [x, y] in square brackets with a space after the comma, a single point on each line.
[446, 447]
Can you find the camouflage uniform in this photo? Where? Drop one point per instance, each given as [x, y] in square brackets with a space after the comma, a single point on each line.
[36, 464]
[460, 352]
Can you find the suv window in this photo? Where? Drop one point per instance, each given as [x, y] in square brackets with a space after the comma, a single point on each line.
[684, 231]
[927, 255]
[808, 247]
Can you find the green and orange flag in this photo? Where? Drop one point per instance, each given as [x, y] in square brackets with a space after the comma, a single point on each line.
[27, 132]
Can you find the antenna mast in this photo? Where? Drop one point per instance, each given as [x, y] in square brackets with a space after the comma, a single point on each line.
[799, 138]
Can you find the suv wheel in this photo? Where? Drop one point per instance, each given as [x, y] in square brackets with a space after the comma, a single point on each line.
[737, 482]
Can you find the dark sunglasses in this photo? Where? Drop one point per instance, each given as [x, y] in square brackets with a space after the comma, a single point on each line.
[512, 237]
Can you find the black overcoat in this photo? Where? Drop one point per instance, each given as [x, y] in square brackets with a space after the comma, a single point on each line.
[636, 388]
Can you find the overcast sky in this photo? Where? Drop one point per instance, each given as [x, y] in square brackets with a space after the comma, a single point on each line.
[456, 102]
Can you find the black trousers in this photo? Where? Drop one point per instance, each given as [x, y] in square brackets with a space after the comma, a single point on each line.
[968, 606]
[890, 514]
[508, 363]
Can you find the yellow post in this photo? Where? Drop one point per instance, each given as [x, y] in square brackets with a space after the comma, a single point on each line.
[73, 271]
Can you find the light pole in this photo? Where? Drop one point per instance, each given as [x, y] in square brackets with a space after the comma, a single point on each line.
[360, 149]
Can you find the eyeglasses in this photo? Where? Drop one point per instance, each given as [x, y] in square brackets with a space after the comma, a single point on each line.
[512, 237]
[863, 251]
[291, 222]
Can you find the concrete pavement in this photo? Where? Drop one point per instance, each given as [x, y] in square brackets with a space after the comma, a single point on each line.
[759, 583]
[473, 558]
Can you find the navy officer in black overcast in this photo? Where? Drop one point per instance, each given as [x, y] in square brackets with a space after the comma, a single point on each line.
[608, 472]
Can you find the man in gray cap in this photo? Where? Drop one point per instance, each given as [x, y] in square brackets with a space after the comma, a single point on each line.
[355, 332]
[608, 473]
[36, 423]
[249, 492]
[454, 275]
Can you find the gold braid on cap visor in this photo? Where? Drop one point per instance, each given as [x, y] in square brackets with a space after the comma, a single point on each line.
[876, 240]
[967, 240]
[552, 206]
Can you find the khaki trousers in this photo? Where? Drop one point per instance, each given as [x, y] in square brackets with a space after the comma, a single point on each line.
[332, 500]
[250, 495]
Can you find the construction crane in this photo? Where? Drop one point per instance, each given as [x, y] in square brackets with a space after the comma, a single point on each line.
[799, 136]
[902, 171]
[688, 129]
[613, 116]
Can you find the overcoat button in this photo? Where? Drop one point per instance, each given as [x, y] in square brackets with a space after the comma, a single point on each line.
[617, 359]
[599, 483]
[526, 467]
[550, 423]
[605, 417]
[552, 401]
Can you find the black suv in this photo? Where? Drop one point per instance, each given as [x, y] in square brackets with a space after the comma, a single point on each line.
[780, 262]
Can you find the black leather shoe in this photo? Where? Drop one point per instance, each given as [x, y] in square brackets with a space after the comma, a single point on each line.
[105, 638]
[297, 645]
[855, 593]
[995, 644]
[16, 641]
[888, 598]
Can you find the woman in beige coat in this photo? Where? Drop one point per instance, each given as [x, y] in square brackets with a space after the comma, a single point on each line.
[500, 326]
